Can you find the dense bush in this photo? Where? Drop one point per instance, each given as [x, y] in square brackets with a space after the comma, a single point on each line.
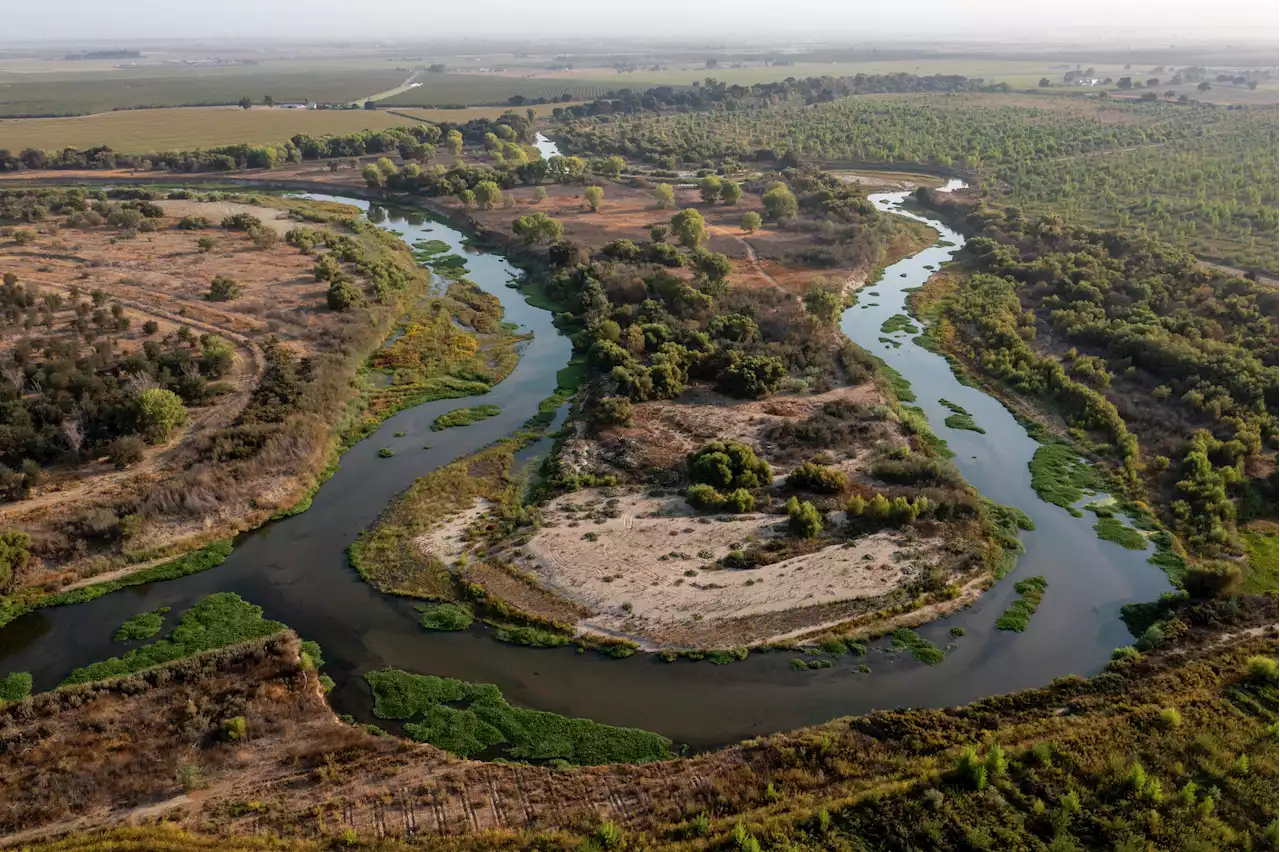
[803, 518]
[729, 464]
[819, 478]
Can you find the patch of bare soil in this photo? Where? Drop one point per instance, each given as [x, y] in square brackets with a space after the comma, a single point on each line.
[663, 432]
[650, 571]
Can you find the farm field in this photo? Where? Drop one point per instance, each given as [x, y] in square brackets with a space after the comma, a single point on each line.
[182, 128]
[482, 89]
[80, 92]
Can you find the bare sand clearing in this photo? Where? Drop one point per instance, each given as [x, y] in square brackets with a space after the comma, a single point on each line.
[663, 432]
[644, 573]
[216, 211]
[447, 540]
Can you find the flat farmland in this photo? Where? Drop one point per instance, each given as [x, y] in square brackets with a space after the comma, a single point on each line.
[84, 92]
[467, 89]
[184, 128]
[1014, 72]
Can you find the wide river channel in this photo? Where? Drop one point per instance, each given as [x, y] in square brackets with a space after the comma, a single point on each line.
[297, 570]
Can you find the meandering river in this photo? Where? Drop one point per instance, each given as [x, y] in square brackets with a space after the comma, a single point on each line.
[296, 568]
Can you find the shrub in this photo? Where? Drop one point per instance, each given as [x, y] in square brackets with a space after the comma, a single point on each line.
[1261, 669]
[751, 222]
[804, 519]
[160, 414]
[445, 616]
[1214, 579]
[193, 223]
[343, 296]
[753, 377]
[819, 478]
[126, 450]
[233, 729]
[14, 554]
[150, 327]
[385, 452]
[613, 410]
[15, 687]
[729, 464]
[739, 500]
[593, 195]
[206, 244]
[704, 497]
[263, 238]
[224, 289]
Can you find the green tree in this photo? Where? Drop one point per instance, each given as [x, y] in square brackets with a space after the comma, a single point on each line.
[823, 301]
[16, 685]
[593, 196]
[488, 194]
[729, 464]
[14, 555]
[343, 295]
[224, 289]
[730, 192]
[711, 266]
[453, 141]
[160, 414]
[538, 228]
[373, 176]
[386, 166]
[751, 221]
[709, 188]
[664, 196]
[753, 377]
[779, 202]
[689, 227]
[803, 518]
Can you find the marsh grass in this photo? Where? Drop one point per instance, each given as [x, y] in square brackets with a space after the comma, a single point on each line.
[216, 621]
[1018, 615]
[1059, 476]
[467, 719]
[960, 418]
[906, 639]
[445, 616]
[899, 323]
[464, 416]
[1112, 529]
[144, 625]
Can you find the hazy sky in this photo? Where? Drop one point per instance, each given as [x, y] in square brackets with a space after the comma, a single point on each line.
[818, 19]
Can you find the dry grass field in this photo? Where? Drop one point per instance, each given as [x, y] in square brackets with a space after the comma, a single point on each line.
[185, 128]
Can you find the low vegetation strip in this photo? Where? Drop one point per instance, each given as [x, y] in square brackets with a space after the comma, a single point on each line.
[960, 418]
[465, 416]
[144, 625]
[1117, 531]
[1059, 476]
[216, 621]
[468, 719]
[906, 639]
[1018, 615]
[191, 563]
